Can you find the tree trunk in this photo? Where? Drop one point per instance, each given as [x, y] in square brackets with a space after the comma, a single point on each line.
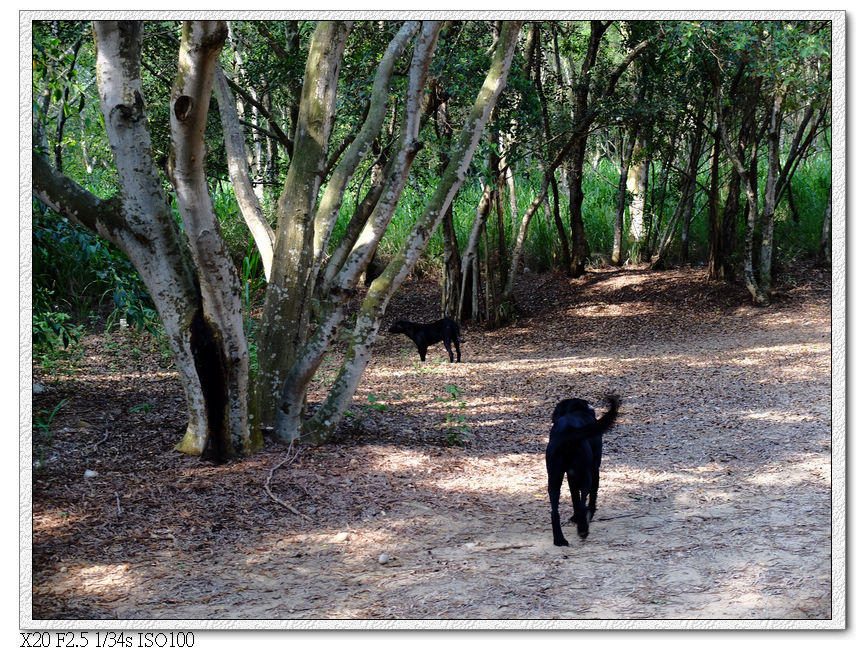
[369, 318]
[289, 422]
[470, 255]
[579, 245]
[825, 254]
[452, 270]
[285, 314]
[220, 341]
[752, 211]
[638, 183]
[619, 225]
[238, 170]
[139, 221]
[767, 217]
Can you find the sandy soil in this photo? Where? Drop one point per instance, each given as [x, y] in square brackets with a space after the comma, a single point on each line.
[715, 486]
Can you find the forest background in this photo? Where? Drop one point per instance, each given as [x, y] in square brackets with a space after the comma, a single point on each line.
[600, 250]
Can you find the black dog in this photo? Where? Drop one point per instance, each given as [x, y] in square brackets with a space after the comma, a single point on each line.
[425, 334]
[575, 449]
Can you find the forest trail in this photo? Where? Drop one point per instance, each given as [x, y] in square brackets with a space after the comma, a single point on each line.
[715, 496]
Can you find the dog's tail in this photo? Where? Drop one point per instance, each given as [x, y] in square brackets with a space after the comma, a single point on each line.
[595, 428]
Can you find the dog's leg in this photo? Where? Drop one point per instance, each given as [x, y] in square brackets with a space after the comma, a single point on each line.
[422, 351]
[597, 447]
[580, 486]
[593, 493]
[457, 346]
[448, 348]
[554, 487]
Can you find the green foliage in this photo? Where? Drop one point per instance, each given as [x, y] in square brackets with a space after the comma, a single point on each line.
[797, 233]
[51, 328]
[79, 280]
[457, 432]
[74, 271]
[375, 403]
[42, 419]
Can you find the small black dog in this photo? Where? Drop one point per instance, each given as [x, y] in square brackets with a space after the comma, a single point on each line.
[425, 334]
[575, 449]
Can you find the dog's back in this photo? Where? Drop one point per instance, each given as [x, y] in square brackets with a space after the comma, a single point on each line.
[575, 419]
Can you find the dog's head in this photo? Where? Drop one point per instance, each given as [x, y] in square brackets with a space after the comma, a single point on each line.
[399, 327]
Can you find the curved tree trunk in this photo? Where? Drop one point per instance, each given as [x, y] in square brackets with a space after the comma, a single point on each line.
[248, 200]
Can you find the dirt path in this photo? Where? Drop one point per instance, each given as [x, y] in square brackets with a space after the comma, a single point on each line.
[715, 485]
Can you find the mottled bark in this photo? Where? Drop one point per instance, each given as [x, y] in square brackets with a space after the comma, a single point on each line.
[638, 183]
[288, 293]
[219, 342]
[619, 224]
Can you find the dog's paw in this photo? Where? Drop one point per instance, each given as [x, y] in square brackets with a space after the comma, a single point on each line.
[561, 542]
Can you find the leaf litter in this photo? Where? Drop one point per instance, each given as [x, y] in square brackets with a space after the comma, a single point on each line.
[715, 497]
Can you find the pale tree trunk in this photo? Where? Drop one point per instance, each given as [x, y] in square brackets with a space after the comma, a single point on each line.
[329, 413]
[638, 184]
[512, 198]
[619, 224]
[139, 221]
[223, 358]
[286, 300]
[238, 171]
[253, 158]
[328, 209]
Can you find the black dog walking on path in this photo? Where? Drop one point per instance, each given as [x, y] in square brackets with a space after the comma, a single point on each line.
[575, 449]
[425, 334]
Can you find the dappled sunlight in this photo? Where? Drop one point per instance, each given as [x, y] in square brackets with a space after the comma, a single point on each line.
[108, 582]
[431, 499]
[800, 470]
[54, 521]
[101, 577]
[754, 584]
[122, 379]
[788, 417]
[606, 310]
